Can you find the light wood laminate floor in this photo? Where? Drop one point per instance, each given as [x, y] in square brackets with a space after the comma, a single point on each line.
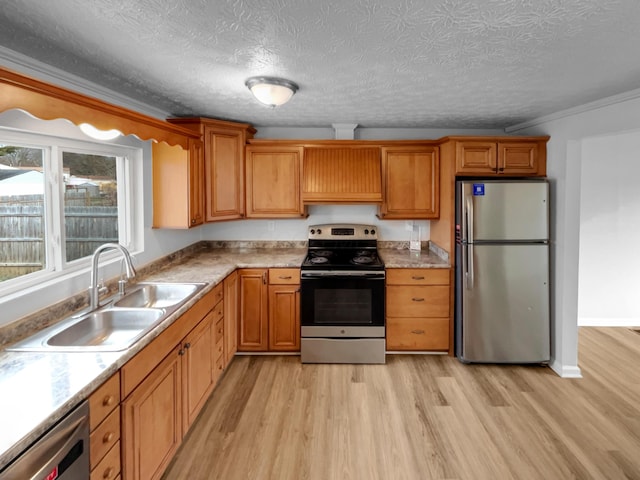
[422, 417]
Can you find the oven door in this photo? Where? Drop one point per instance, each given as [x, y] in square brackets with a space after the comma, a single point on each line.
[353, 299]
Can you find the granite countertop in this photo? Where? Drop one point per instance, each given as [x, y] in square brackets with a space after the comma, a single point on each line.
[402, 258]
[39, 388]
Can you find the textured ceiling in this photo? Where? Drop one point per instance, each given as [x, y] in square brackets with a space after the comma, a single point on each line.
[377, 63]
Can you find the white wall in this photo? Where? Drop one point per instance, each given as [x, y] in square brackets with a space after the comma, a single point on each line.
[610, 231]
[568, 131]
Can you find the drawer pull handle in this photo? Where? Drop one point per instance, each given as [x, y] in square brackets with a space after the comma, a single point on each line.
[285, 277]
[108, 401]
[417, 299]
[418, 332]
[417, 278]
[108, 437]
[108, 473]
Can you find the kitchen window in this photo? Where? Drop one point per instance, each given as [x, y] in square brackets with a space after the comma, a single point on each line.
[59, 200]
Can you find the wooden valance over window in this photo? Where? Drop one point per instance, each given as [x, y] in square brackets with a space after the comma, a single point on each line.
[49, 102]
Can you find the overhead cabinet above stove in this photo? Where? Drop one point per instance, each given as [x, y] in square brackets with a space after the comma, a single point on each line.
[342, 175]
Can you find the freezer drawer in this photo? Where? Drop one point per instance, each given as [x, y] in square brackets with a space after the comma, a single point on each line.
[503, 314]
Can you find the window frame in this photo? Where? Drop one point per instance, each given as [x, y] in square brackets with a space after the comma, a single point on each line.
[130, 202]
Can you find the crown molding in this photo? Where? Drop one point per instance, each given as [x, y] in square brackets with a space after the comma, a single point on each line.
[587, 107]
[34, 68]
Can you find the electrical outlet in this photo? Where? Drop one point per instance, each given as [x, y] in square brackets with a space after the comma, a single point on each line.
[271, 226]
[408, 225]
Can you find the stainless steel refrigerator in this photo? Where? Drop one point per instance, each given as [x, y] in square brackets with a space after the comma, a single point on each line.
[502, 271]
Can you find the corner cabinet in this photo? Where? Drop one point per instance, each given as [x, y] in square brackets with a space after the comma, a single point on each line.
[178, 198]
[411, 181]
[224, 144]
[273, 176]
[510, 157]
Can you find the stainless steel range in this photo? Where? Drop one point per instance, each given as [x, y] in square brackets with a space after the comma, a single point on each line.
[342, 296]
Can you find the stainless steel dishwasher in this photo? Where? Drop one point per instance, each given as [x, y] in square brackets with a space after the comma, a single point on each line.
[61, 453]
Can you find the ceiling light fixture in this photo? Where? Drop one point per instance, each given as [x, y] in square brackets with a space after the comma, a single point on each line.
[271, 91]
[93, 132]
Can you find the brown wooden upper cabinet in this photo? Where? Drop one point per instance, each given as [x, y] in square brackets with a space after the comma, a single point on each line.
[513, 157]
[273, 176]
[178, 197]
[411, 181]
[342, 175]
[224, 144]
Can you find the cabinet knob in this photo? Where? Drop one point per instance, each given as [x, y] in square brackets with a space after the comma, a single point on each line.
[108, 401]
[193, 220]
[108, 437]
[417, 299]
[108, 473]
[187, 345]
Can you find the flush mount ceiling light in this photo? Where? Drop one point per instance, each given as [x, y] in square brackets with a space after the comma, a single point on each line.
[93, 132]
[271, 91]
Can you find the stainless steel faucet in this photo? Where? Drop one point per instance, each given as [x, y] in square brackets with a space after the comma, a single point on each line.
[94, 288]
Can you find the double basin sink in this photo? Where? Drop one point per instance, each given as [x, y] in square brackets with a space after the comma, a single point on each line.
[124, 320]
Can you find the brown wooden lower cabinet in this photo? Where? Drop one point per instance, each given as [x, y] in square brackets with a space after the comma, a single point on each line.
[152, 421]
[166, 385]
[253, 330]
[418, 309]
[269, 316]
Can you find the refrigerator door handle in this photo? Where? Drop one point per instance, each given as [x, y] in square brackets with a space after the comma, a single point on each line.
[467, 251]
[469, 232]
[469, 256]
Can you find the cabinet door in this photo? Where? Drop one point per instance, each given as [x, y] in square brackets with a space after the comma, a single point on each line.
[476, 157]
[177, 189]
[224, 174]
[273, 177]
[518, 158]
[230, 316]
[196, 183]
[197, 369]
[411, 178]
[284, 317]
[152, 421]
[253, 328]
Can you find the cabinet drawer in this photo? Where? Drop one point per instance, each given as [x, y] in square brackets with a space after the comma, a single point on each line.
[104, 400]
[421, 301]
[417, 333]
[422, 276]
[217, 293]
[109, 467]
[218, 312]
[104, 437]
[284, 276]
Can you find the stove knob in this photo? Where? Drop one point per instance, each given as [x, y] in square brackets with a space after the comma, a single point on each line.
[319, 231]
[373, 232]
[312, 231]
[366, 231]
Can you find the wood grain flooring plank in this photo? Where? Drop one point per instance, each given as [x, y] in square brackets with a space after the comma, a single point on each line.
[422, 417]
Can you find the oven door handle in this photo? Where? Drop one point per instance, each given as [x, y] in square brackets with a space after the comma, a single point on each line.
[340, 274]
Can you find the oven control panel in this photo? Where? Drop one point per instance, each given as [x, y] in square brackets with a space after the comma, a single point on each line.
[343, 232]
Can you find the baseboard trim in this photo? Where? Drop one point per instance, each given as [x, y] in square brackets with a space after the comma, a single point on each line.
[565, 371]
